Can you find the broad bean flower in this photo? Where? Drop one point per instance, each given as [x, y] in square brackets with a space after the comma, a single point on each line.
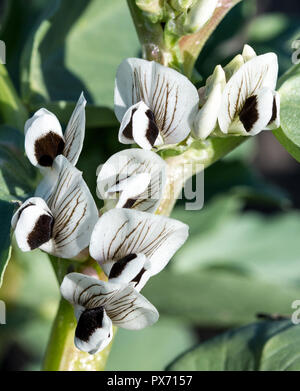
[241, 99]
[60, 218]
[44, 139]
[132, 246]
[155, 104]
[98, 305]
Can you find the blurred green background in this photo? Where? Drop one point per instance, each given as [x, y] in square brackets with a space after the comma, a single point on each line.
[242, 257]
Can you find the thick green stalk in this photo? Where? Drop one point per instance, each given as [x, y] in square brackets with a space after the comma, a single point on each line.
[150, 36]
[191, 45]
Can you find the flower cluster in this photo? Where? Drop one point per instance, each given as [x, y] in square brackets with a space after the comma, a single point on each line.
[155, 106]
[128, 240]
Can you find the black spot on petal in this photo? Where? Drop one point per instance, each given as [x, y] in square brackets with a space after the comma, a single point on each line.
[249, 113]
[120, 265]
[274, 111]
[41, 232]
[90, 320]
[127, 131]
[152, 131]
[46, 148]
[129, 203]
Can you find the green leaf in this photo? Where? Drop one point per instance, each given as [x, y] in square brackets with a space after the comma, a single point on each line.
[151, 349]
[250, 242]
[18, 177]
[267, 346]
[96, 116]
[68, 52]
[11, 109]
[232, 267]
[217, 298]
[289, 133]
[30, 315]
[240, 179]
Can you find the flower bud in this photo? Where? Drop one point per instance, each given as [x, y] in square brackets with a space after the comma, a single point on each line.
[153, 8]
[199, 14]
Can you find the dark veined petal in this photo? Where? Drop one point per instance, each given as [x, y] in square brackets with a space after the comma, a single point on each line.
[72, 206]
[120, 232]
[123, 304]
[258, 73]
[127, 172]
[169, 95]
[74, 134]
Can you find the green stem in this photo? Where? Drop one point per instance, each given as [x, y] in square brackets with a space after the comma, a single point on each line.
[12, 110]
[150, 35]
[191, 45]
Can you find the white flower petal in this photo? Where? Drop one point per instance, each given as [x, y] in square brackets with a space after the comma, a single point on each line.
[117, 172]
[130, 310]
[74, 134]
[200, 13]
[138, 126]
[132, 188]
[132, 85]
[134, 185]
[254, 75]
[248, 53]
[120, 232]
[44, 139]
[72, 206]
[144, 129]
[171, 97]
[123, 304]
[207, 117]
[94, 330]
[233, 66]
[86, 292]
[33, 224]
